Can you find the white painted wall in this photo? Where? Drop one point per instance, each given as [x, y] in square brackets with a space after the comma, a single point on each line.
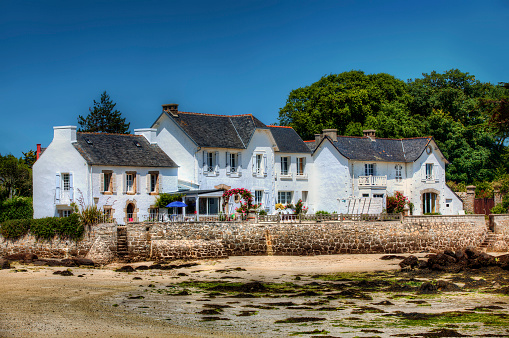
[143, 200]
[261, 143]
[59, 157]
[294, 183]
[179, 147]
[419, 185]
[330, 180]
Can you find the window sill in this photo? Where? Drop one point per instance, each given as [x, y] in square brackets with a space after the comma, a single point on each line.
[107, 193]
[130, 193]
[301, 176]
[153, 193]
[211, 173]
[234, 174]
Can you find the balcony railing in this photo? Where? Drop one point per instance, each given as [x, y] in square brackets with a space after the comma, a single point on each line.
[284, 218]
[287, 176]
[377, 181]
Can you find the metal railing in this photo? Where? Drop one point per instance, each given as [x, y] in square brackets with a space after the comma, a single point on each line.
[286, 218]
[379, 181]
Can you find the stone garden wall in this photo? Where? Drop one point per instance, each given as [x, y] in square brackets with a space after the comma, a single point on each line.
[499, 224]
[220, 239]
[101, 234]
[416, 233]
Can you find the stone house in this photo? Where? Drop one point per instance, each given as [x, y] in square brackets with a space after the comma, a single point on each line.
[122, 174]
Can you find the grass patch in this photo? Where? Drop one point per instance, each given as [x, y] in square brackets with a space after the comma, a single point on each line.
[293, 320]
[315, 331]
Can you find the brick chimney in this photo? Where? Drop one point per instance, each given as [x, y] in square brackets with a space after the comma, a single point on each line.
[171, 108]
[38, 151]
[371, 133]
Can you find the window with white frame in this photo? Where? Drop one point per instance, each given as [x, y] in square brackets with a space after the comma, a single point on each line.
[258, 197]
[369, 169]
[66, 182]
[301, 165]
[399, 173]
[304, 197]
[284, 197]
[285, 165]
[429, 171]
[233, 162]
[64, 213]
[153, 182]
[130, 182]
[259, 164]
[211, 163]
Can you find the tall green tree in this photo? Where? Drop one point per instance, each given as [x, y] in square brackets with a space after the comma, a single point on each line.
[104, 118]
[447, 106]
[344, 102]
[454, 92]
[15, 177]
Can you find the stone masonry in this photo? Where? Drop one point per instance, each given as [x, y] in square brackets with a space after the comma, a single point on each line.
[221, 239]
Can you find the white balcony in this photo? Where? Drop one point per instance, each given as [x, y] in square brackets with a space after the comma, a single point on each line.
[372, 181]
[287, 176]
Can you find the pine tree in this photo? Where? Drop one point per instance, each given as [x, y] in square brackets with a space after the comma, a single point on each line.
[102, 118]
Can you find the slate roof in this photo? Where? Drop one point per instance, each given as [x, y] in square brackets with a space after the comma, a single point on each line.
[381, 149]
[287, 140]
[121, 150]
[218, 131]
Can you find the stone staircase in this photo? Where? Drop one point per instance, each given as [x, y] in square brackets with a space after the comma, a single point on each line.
[122, 251]
[489, 240]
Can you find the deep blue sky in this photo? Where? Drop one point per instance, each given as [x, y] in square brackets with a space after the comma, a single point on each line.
[222, 57]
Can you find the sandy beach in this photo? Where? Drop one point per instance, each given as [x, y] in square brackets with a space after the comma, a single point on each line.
[96, 302]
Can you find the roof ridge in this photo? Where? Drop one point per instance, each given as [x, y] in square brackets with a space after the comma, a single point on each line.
[100, 133]
[273, 126]
[205, 114]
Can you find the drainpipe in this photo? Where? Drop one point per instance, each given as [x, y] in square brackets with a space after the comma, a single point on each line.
[195, 165]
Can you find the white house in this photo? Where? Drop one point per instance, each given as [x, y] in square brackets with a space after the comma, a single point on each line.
[347, 169]
[121, 174]
[201, 155]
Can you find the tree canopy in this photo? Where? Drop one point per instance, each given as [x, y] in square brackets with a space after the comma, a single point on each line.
[467, 118]
[15, 177]
[103, 118]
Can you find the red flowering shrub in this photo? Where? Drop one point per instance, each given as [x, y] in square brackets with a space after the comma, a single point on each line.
[396, 203]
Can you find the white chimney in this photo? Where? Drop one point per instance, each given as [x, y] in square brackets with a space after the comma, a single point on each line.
[149, 133]
[65, 133]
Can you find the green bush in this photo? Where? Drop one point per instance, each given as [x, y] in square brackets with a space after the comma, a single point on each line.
[164, 199]
[483, 189]
[498, 209]
[46, 228]
[262, 212]
[505, 201]
[322, 212]
[16, 208]
[71, 227]
[14, 228]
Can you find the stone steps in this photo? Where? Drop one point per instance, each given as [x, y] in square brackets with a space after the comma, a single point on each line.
[489, 240]
[122, 249]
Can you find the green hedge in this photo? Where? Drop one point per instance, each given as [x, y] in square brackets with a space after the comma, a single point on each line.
[16, 208]
[45, 228]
